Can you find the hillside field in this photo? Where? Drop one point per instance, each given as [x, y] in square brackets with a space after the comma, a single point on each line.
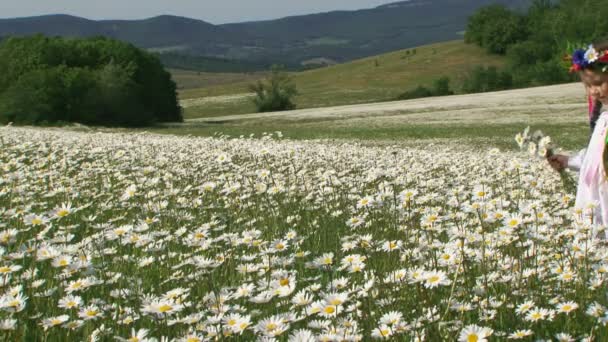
[373, 79]
[473, 119]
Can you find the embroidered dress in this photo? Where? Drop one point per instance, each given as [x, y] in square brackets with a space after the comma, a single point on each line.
[592, 190]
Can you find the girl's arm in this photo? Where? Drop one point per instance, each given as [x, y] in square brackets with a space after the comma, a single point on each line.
[575, 161]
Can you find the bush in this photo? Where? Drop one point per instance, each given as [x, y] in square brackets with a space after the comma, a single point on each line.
[441, 87]
[92, 81]
[482, 79]
[416, 93]
[276, 93]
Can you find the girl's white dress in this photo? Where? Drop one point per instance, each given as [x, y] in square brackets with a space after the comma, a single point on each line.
[592, 190]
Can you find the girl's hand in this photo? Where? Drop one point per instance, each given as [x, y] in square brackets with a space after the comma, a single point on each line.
[558, 161]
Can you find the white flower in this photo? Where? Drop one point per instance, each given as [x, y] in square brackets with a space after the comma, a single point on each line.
[474, 333]
[567, 307]
[520, 334]
[435, 278]
[382, 332]
[591, 55]
[54, 321]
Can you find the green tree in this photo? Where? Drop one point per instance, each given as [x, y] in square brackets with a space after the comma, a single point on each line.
[36, 98]
[102, 81]
[495, 27]
[275, 93]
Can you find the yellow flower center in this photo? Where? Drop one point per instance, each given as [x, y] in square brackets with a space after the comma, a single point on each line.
[434, 279]
[472, 338]
[164, 308]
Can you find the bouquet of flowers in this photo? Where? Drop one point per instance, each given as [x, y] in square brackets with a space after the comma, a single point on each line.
[540, 145]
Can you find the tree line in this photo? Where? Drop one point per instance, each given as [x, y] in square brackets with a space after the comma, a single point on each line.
[533, 42]
[536, 41]
[96, 81]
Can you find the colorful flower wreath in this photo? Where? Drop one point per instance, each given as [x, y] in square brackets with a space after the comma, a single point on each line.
[588, 59]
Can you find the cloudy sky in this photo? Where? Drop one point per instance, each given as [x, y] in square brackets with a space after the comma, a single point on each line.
[214, 11]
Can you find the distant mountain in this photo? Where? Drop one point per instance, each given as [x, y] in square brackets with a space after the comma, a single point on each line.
[159, 32]
[337, 36]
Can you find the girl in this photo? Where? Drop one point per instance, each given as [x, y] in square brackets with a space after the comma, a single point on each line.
[592, 191]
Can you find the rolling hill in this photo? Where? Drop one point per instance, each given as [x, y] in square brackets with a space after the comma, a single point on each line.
[371, 79]
[336, 36]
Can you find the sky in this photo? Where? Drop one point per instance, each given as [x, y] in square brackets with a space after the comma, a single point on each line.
[213, 11]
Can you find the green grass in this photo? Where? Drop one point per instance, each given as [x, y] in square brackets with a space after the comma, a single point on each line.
[219, 109]
[187, 79]
[566, 135]
[373, 79]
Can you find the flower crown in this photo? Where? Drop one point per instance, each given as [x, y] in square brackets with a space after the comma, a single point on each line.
[589, 59]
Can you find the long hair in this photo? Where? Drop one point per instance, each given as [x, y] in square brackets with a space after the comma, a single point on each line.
[596, 106]
[596, 111]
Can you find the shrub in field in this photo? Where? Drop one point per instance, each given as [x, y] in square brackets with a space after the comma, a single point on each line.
[275, 93]
[482, 79]
[441, 87]
[416, 93]
[92, 81]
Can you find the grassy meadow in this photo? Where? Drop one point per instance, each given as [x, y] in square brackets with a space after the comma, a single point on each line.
[373, 79]
[472, 119]
[144, 237]
[187, 79]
